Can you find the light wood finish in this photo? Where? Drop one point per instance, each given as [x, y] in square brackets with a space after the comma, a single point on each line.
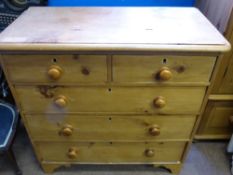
[144, 68]
[122, 128]
[54, 72]
[60, 101]
[214, 123]
[73, 68]
[50, 167]
[164, 74]
[223, 77]
[149, 152]
[159, 102]
[112, 152]
[111, 85]
[154, 130]
[66, 130]
[221, 97]
[119, 26]
[72, 153]
[113, 99]
[218, 122]
[226, 86]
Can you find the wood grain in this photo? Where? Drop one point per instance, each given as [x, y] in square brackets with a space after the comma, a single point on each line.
[47, 127]
[112, 152]
[105, 103]
[226, 86]
[221, 97]
[142, 68]
[75, 68]
[125, 28]
[218, 115]
[110, 99]
[214, 123]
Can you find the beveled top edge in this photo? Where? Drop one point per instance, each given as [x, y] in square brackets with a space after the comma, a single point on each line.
[6, 47]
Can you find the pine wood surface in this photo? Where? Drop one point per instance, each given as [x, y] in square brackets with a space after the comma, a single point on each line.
[41, 99]
[74, 68]
[218, 118]
[221, 97]
[116, 28]
[119, 128]
[226, 85]
[97, 87]
[214, 123]
[137, 68]
[92, 68]
[112, 152]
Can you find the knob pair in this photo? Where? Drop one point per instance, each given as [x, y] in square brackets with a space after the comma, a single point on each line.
[67, 130]
[73, 153]
[55, 72]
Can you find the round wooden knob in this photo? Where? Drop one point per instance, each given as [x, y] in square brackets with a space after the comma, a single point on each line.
[165, 74]
[149, 152]
[60, 101]
[72, 153]
[154, 130]
[159, 102]
[54, 72]
[67, 130]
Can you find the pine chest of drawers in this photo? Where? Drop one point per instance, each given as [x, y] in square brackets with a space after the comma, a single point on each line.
[110, 85]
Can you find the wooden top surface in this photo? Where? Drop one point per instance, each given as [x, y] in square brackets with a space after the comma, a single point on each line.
[118, 28]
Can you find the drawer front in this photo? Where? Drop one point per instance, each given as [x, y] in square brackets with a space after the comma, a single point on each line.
[56, 68]
[217, 117]
[111, 152]
[44, 99]
[88, 128]
[162, 68]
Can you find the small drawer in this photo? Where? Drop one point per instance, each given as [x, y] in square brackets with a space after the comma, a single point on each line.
[111, 152]
[146, 100]
[56, 68]
[162, 68]
[50, 127]
[216, 119]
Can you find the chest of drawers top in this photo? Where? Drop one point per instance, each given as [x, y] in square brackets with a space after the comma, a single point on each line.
[112, 29]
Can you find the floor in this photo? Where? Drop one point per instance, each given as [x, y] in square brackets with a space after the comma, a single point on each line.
[204, 158]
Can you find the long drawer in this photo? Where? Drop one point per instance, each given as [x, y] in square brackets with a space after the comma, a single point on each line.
[116, 128]
[163, 100]
[111, 152]
[162, 68]
[56, 68]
